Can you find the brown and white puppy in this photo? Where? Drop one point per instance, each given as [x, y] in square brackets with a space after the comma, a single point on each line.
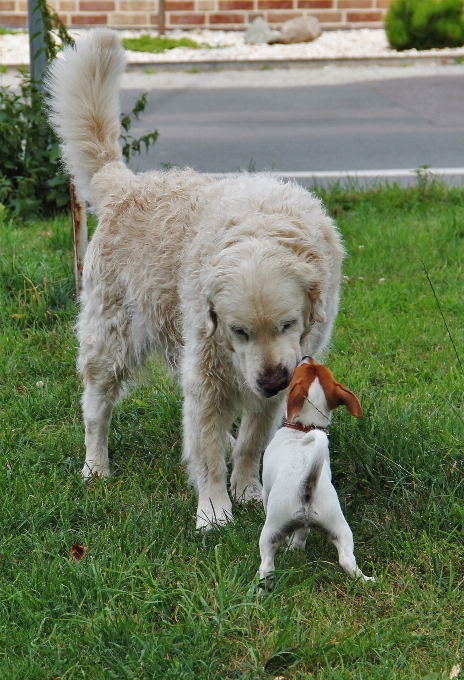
[298, 494]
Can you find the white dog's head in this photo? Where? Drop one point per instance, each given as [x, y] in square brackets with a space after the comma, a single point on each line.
[263, 301]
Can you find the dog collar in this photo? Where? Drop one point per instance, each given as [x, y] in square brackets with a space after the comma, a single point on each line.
[307, 428]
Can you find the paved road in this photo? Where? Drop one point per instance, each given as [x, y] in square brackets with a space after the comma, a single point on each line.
[389, 123]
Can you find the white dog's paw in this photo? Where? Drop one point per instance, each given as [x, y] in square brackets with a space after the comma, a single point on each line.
[210, 515]
[244, 493]
[94, 469]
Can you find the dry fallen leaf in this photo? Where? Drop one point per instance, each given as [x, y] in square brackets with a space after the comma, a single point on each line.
[78, 552]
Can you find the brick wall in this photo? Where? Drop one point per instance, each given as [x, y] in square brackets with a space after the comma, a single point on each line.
[223, 14]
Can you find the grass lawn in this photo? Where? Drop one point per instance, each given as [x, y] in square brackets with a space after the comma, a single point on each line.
[161, 43]
[154, 599]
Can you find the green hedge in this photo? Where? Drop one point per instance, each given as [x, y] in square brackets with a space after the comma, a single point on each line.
[425, 24]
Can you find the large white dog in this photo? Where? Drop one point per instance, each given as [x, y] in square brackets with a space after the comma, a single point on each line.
[232, 281]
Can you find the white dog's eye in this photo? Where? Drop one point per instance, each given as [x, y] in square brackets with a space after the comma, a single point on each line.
[288, 324]
[240, 332]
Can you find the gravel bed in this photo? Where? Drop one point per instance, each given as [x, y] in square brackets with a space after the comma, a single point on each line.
[364, 43]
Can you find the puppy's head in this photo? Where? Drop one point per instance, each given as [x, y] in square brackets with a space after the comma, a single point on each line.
[314, 392]
[262, 302]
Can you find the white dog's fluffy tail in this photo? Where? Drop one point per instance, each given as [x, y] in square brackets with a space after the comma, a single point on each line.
[83, 84]
[312, 474]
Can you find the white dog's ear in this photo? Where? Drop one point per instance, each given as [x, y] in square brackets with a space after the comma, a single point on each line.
[310, 276]
[211, 321]
[317, 305]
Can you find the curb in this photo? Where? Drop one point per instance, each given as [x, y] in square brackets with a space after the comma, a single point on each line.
[268, 64]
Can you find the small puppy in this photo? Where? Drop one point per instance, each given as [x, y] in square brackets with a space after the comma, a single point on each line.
[297, 490]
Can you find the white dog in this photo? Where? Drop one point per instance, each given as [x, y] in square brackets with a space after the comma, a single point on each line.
[231, 281]
[298, 493]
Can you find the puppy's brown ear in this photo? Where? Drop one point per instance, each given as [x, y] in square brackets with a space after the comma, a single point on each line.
[295, 402]
[211, 321]
[349, 399]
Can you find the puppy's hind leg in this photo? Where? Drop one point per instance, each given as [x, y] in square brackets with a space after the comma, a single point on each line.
[269, 542]
[340, 534]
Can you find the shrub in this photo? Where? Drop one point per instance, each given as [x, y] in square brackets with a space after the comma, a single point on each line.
[425, 24]
[32, 182]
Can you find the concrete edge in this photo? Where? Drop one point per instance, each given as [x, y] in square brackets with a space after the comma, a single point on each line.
[269, 64]
[265, 64]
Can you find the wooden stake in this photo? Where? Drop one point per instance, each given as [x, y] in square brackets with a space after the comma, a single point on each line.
[80, 235]
[161, 18]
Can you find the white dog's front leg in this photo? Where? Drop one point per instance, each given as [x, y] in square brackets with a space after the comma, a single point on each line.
[206, 439]
[256, 430]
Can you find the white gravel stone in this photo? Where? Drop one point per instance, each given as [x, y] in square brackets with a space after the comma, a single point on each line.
[364, 43]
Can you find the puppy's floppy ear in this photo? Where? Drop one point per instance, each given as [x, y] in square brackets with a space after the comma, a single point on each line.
[349, 399]
[295, 402]
[211, 320]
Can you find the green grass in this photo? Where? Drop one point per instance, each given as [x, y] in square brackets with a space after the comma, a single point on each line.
[147, 43]
[152, 598]
[10, 31]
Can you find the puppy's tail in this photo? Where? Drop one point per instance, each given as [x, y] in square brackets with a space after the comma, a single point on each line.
[83, 84]
[311, 478]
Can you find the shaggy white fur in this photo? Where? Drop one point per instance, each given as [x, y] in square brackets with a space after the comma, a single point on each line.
[232, 281]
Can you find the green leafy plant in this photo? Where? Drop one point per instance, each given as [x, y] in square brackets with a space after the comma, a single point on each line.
[425, 24]
[157, 44]
[132, 145]
[32, 181]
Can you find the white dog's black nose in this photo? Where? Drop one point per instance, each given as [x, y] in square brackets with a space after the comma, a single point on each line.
[273, 380]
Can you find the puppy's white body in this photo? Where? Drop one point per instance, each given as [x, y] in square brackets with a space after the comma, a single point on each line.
[298, 493]
[231, 281]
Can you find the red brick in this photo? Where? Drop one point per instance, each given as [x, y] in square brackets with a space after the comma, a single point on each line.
[235, 4]
[254, 15]
[315, 4]
[154, 19]
[87, 19]
[99, 6]
[179, 6]
[275, 4]
[227, 18]
[186, 19]
[384, 4]
[355, 4]
[13, 20]
[328, 17]
[280, 17]
[357, 17]
[6, 7]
